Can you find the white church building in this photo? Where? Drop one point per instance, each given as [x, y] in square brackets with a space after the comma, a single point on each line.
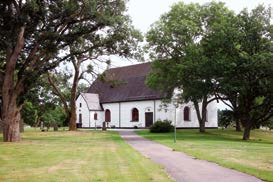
[122, 100]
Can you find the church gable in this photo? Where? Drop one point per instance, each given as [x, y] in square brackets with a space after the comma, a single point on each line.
[92, 101]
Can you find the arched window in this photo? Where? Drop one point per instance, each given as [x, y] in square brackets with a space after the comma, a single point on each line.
[135, 115]
[95, 116]
[107, 115]
[186, 113]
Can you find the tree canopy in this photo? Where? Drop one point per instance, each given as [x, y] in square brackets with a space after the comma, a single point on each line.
[176, 45]
[210, 53]
[36, 36]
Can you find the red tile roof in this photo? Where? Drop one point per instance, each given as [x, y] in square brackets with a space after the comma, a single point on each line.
[125, 84]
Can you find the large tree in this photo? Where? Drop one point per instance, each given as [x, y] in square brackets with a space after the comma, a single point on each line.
[35, 37]
[90, 49]
[245, 55]
[207, 51]
[175, 42]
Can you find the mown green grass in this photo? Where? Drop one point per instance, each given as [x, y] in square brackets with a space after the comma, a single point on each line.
[75, 156]
[226, 148]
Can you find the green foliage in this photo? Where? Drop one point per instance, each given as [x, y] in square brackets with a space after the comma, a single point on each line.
[36, 36]
[268, 123]
[42, 105]
[176, 43]
[162, 127]
[55, 31]
[82, 88]
[56, 116]
[225, 118]
[207, 51]
[243, 52]
[29, 114]
[62, 79]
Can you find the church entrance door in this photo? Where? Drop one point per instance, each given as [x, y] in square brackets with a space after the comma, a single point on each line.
[149, 117]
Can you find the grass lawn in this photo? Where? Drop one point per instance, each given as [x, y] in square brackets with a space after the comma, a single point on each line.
[75, 156]
[226, 148]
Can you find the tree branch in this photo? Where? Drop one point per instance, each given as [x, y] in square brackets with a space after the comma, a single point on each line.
[58, 92]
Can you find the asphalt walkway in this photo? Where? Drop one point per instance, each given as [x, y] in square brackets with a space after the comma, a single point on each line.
[182, 167]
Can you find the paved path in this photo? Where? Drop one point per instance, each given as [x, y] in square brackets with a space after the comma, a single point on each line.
[182, 167]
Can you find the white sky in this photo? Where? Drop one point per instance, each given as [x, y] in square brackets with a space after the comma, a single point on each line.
[146, 12]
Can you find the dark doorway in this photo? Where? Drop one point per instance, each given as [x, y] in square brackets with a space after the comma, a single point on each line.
[149, 117]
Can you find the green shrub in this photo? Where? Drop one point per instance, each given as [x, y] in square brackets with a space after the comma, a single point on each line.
[161, 127]
[225, 118]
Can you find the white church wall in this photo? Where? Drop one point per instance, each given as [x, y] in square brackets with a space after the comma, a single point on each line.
[193, 122]
[82, 108]
[161, 112]
[212, 115]
[164, 111]
[177, 114]
[100, 119]
[126, 112]
[114, 109]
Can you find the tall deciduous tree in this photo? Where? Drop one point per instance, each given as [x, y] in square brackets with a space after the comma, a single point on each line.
[67, 92]
[175, 42]
[119, 40]
[35, 36]
[245, 55]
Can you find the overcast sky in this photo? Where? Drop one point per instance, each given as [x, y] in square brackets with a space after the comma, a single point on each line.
[146, 12]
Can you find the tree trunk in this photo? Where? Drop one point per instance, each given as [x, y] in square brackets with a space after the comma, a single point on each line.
[11, 124]
[10, 92]
[236, 117]
[1, 122]
[55, 126]
[247, 130]
[21, 125]
[202, 126]
[72, 122]
[1, 128]
[238, 126]
[201, 115]
[73, 117]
